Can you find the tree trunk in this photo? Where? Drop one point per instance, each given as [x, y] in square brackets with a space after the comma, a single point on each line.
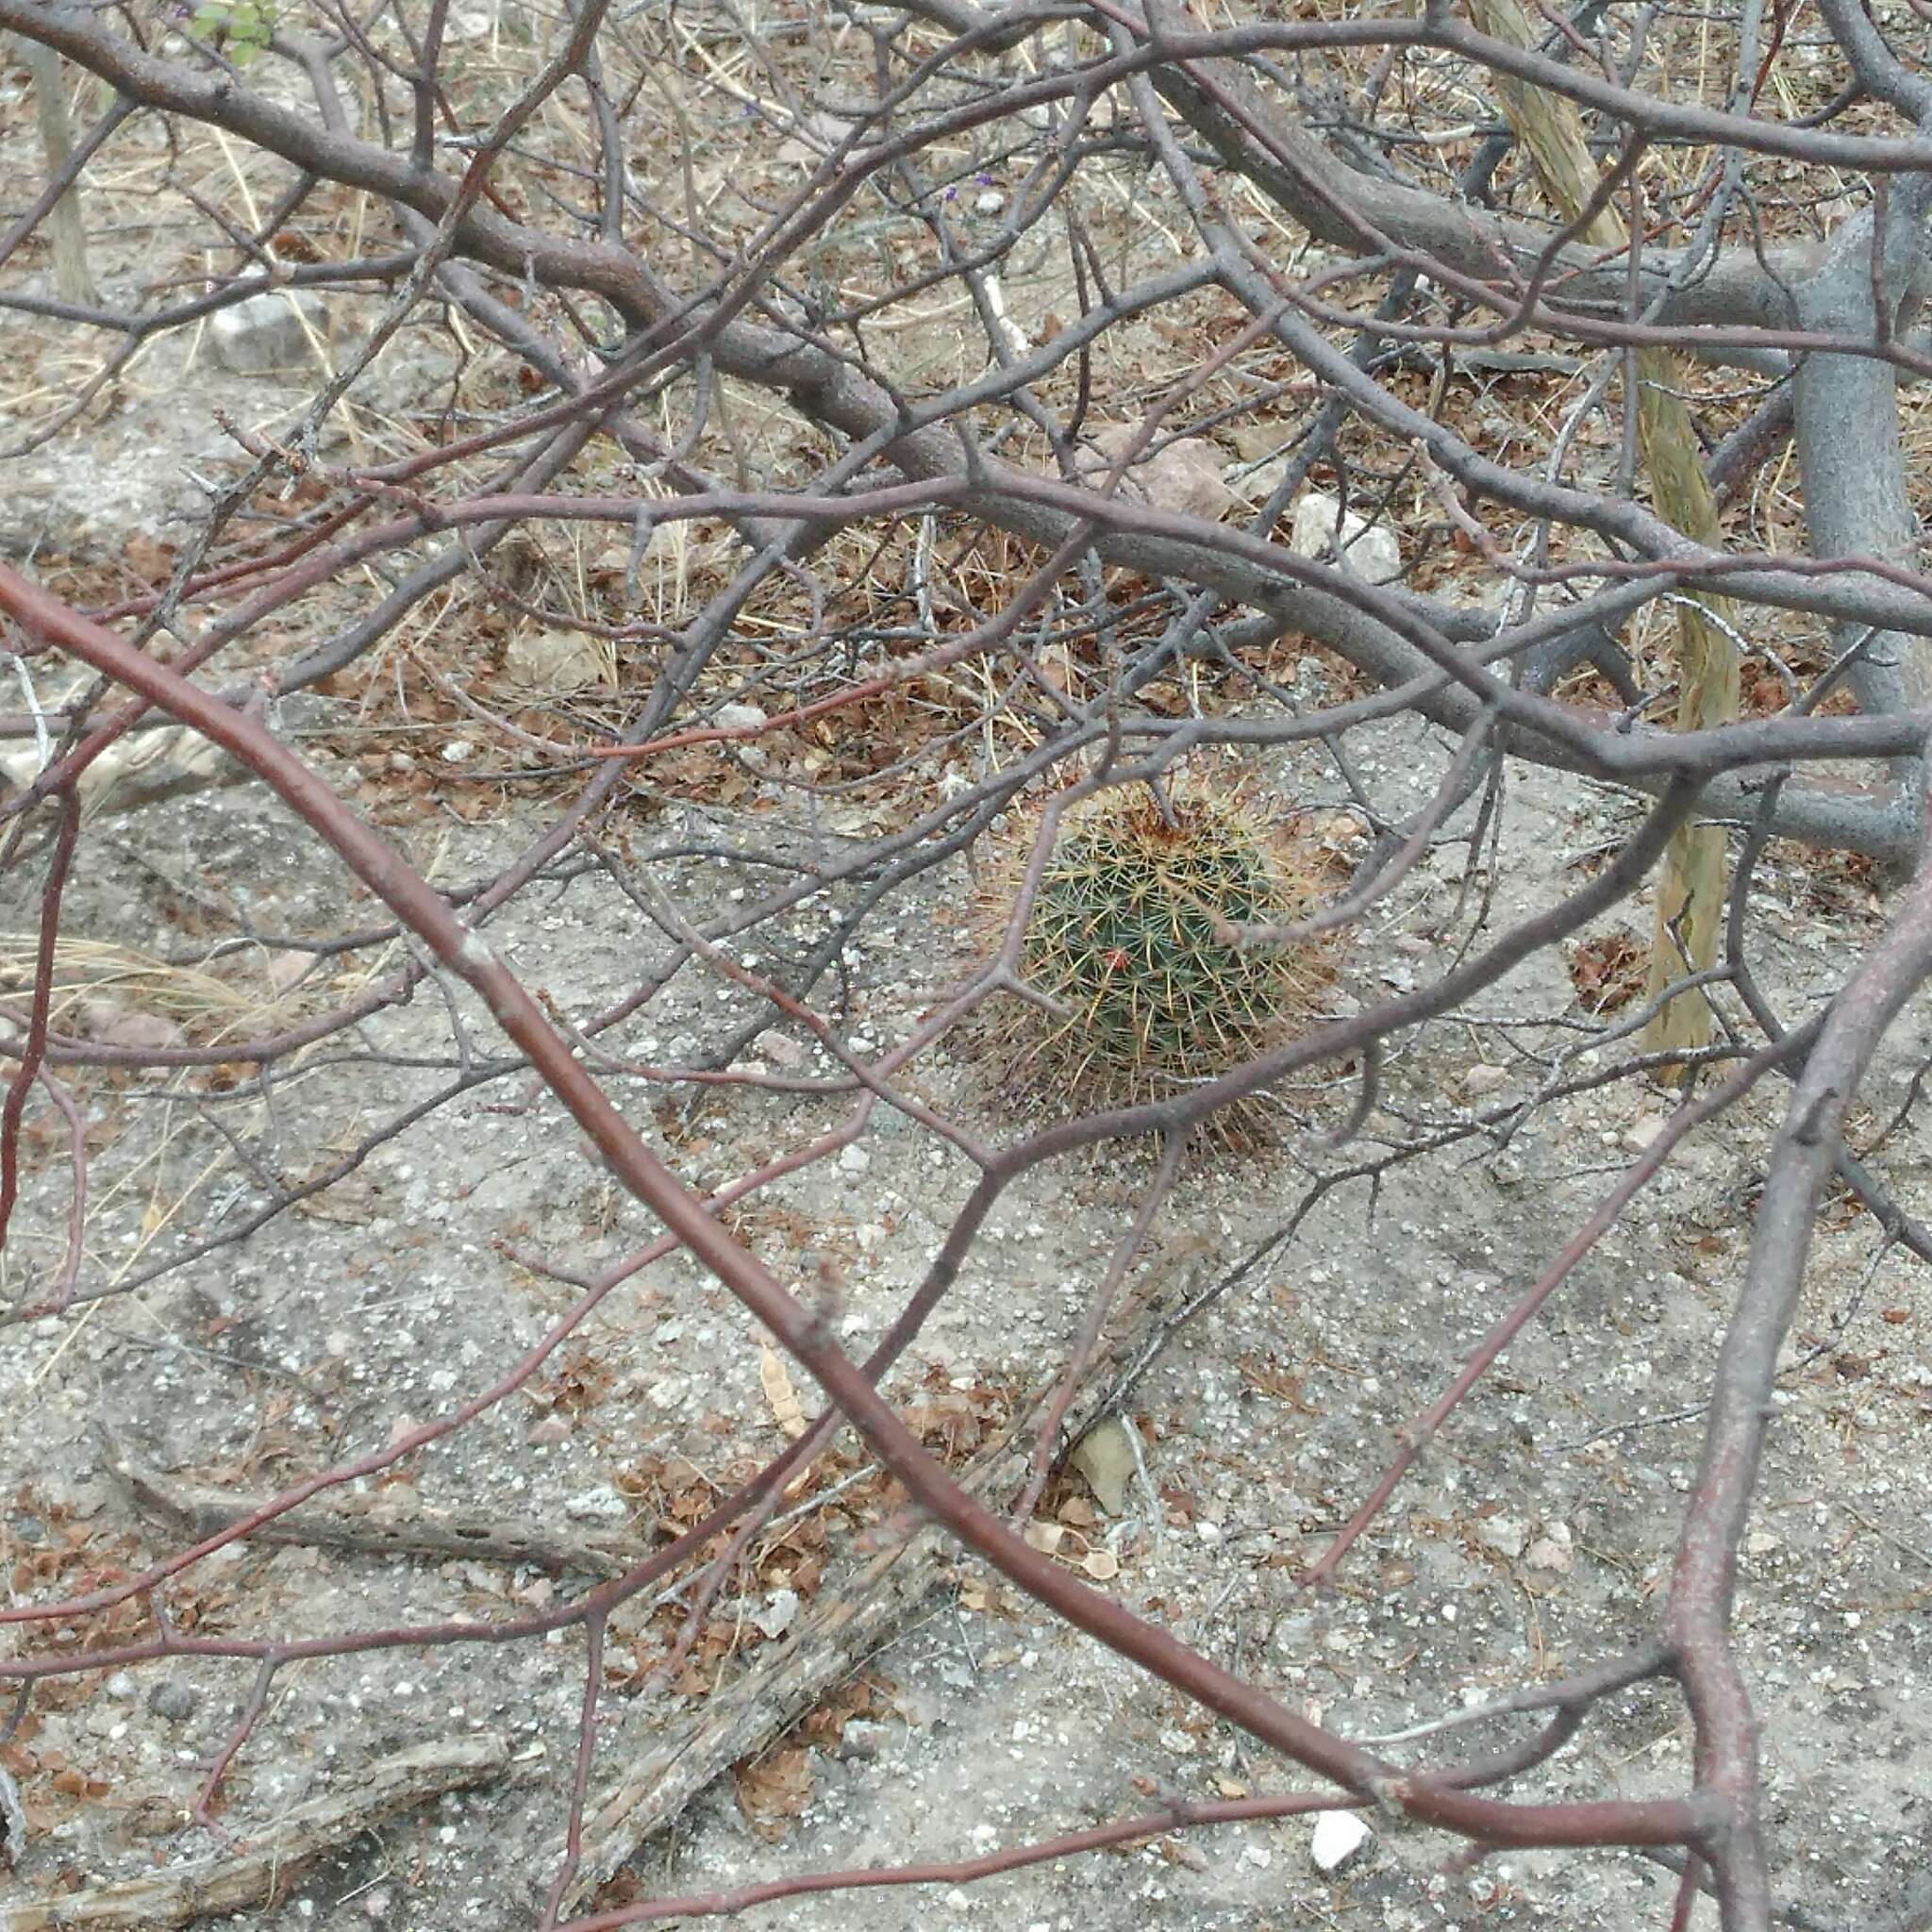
[71, 281]
[1691, 897]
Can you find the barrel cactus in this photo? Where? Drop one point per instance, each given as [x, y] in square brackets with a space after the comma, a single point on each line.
[1130, 937]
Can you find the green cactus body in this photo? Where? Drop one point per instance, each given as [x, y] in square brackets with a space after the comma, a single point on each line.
[1130, 935]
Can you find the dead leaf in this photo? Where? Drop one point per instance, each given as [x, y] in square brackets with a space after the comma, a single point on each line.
[1609, 971]
[772, 1789]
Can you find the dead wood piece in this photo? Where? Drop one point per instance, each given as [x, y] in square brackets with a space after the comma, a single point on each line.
[379, 1523]
[851, 1622]
[276, 1855]
[663, 1773]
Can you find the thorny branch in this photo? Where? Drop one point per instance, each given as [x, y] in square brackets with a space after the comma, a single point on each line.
[840, 438]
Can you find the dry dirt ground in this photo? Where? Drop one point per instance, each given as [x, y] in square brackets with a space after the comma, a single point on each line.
[1531, 1542]
[1527, 1546]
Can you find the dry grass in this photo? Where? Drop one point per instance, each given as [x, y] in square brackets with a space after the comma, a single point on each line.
[100, 986]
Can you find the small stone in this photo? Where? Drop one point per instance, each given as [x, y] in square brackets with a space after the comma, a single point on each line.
[1503, 1533]
[458, 751]
[1639, 1134]
[991, 202]
[780, 1050]
[853, 1160]
[1320, 523]
[552, 1429]
[174, 1700]
[741, 718]
[120, 1686]
[1210, 1533]
[1339, 1839]
[600, 1504]
[1483, 1078]
[276, 331]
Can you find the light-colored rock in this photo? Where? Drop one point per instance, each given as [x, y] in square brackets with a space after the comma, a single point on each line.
[1483, 1078]
[553, 661]
[1183, 477]
[1371, 553]
[1507, 1534]
[276, 331]
[1337, 1841]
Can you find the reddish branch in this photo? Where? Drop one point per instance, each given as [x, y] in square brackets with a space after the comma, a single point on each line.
[464, 953]
[1000, 455]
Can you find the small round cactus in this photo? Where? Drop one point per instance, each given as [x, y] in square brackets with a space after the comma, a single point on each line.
[1129, 937]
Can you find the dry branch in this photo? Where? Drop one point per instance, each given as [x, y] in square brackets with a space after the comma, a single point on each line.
[797, 430]
[376, 1524]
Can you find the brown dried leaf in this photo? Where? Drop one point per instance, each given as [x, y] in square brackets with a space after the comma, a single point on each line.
[1609, 971]
[772, 1789]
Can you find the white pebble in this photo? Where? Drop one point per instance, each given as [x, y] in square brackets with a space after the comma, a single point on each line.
[1339, 1836]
